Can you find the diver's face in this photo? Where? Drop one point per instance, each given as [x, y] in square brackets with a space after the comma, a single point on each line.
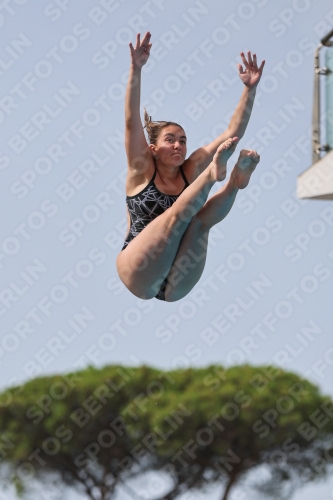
[170, 148]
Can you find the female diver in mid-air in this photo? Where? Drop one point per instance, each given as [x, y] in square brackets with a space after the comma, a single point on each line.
[169, 217]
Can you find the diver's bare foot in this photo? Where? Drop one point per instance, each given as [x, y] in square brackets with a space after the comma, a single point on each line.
[246, 163]
[222, 155]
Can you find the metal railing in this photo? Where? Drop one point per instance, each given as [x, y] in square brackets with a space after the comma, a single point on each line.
[317, 147]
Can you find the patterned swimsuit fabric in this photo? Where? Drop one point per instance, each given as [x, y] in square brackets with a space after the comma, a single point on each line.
[145, 207]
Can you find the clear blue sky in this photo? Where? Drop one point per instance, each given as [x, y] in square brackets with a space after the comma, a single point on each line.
[269, 272]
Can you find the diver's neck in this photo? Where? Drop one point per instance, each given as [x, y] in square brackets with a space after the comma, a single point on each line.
[167, 171]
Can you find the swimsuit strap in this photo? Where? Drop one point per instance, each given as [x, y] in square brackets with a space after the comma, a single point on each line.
[143, 189]
[183, 176]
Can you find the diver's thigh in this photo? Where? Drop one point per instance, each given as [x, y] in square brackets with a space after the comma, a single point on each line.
[147, 259]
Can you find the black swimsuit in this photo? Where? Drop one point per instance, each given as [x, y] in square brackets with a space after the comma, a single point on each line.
[145, 207]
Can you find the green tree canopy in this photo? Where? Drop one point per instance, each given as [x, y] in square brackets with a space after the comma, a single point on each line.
[98, 428]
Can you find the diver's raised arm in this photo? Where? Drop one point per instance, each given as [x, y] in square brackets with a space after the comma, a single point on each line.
[250, 76]
[135, 141]
[139, 57]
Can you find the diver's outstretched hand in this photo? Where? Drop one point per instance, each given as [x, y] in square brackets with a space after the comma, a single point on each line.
[140, 53]
[251, 75]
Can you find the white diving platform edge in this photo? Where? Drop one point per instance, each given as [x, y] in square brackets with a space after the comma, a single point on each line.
[316, 182]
